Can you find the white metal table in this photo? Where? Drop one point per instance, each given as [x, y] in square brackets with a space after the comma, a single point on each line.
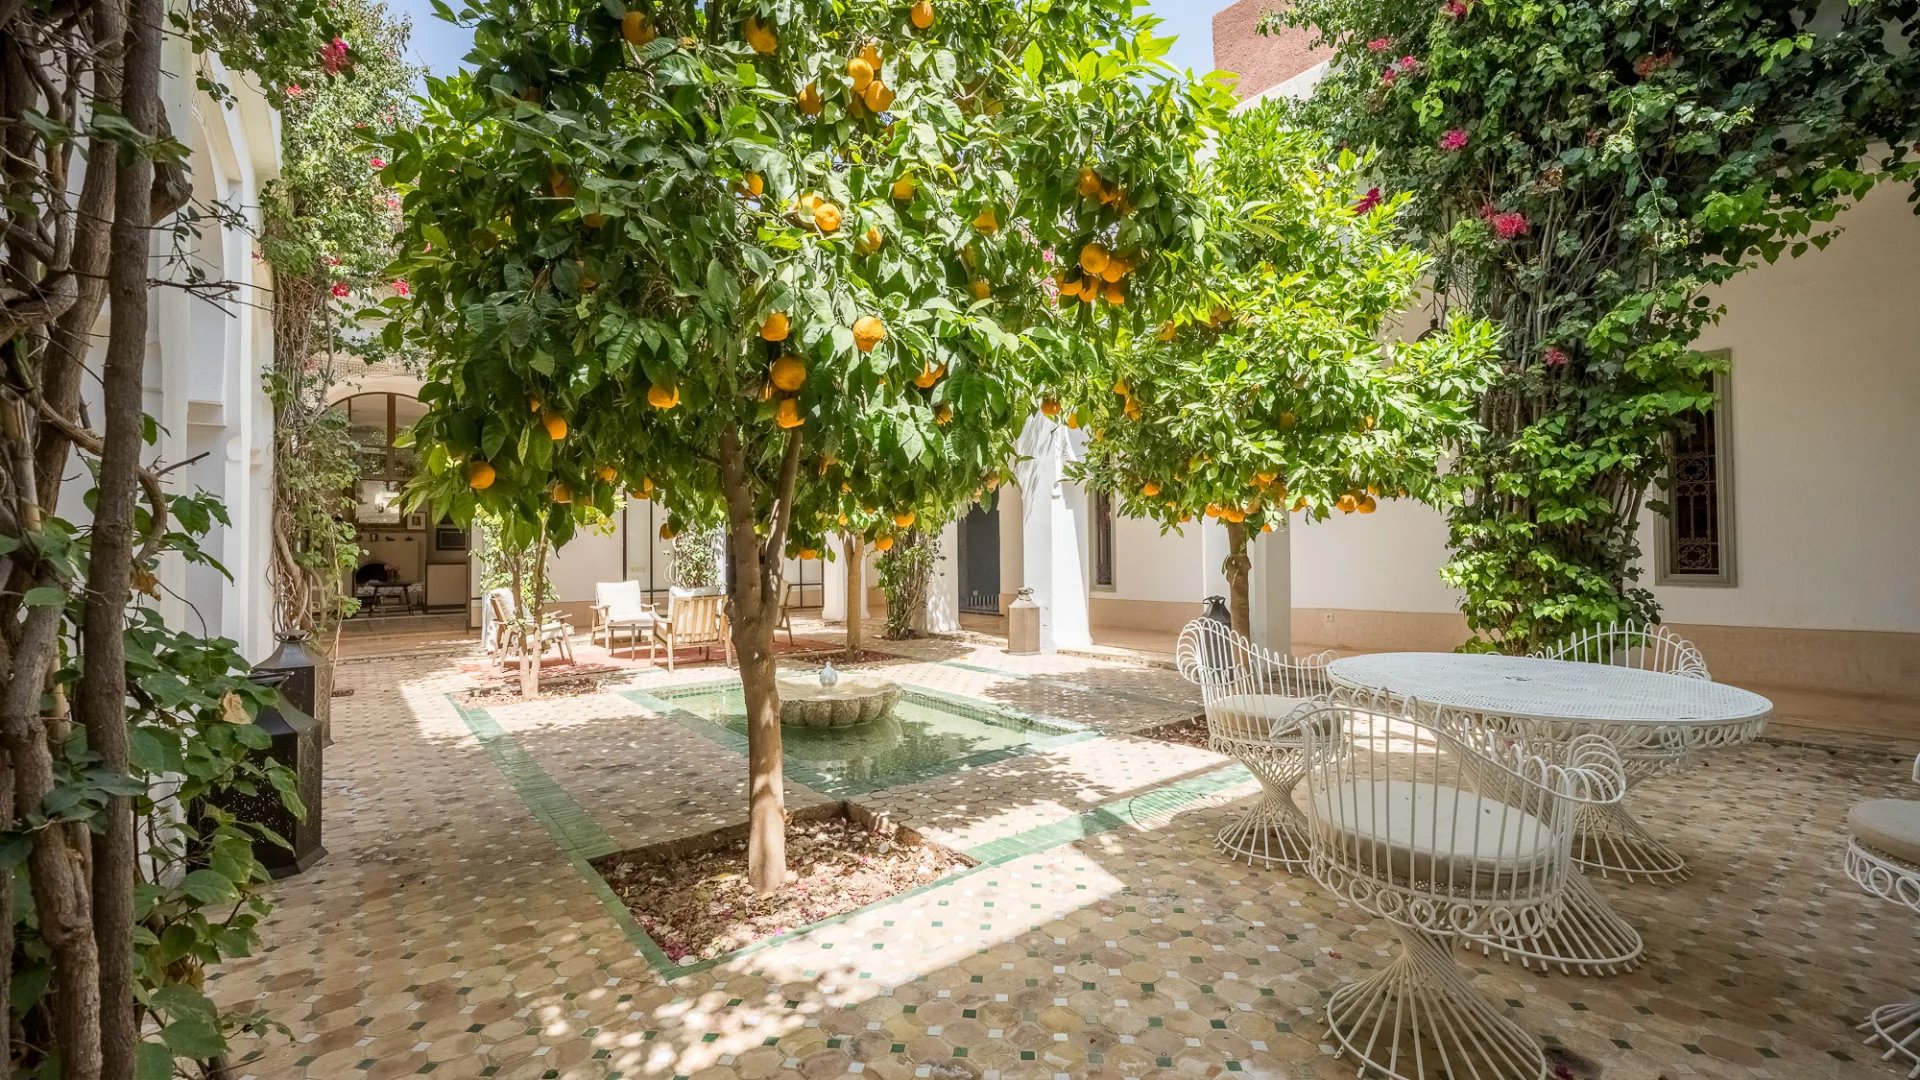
[1657, 721]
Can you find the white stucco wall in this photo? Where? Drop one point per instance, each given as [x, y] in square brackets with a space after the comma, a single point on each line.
[1824, 389]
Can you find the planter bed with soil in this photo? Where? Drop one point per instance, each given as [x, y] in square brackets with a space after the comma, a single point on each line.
[692, 898]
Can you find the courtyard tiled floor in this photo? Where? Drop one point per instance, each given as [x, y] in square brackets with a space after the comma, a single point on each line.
[456, 929]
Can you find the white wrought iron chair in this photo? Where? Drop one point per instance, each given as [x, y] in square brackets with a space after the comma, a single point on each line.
[1449, 830]
[1884, 857]
[1250, 694]
[1610, 840]
[1633, 645]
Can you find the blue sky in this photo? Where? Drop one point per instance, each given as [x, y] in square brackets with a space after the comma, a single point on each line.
[440, 45]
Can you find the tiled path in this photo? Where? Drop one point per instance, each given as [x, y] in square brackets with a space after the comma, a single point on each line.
[455, 929]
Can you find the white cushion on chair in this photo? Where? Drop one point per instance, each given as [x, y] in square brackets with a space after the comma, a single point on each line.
[1432, 832]
[1889, 826]
[1250, 716]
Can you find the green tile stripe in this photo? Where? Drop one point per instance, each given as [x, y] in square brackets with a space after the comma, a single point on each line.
[1137, 811]
[1069, 684]
[582, 839]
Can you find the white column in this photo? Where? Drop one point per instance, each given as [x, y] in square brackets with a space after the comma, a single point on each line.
[1271, 589]
[1012, 548]
[943, 586]
[1052, 516]
[1213, 557]
[833, 577]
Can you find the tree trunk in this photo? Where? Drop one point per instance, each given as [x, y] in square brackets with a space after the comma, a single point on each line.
[754, 573]
[100, 699]
[1236, 566]
[856, 593]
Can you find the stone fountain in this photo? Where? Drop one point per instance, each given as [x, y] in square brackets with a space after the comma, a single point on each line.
[836, 700]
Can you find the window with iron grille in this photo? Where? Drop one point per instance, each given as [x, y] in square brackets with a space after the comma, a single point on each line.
[1102, 539]
[1697, 543]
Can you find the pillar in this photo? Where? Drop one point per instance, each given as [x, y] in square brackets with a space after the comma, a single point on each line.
[1052, 519]
[1271, 589]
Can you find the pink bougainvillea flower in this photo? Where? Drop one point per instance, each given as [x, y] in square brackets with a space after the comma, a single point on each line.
[400, 286]
[293, 90]
[1454, 139]
[1408, 63]
[1367, 202]
[1509, 223]
[377, 162]
[333, 56]
[1388, 76]
[1380, 44]
[393, 202]
[340, 288]
[1555, 356]
[1455, 9]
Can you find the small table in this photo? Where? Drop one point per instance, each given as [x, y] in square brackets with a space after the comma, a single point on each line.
[1656, 721]
[382, 591]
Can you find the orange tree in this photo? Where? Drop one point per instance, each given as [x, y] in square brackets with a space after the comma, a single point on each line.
[1276, 386]
[777, 263]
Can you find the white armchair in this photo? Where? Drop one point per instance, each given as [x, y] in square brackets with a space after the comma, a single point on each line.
[1883, 856]
[1452, 831]
[617, 606]
[1251, 695]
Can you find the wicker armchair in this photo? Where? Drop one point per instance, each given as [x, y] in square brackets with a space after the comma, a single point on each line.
[1451, 831]
[1884, 857]
[1251, 694]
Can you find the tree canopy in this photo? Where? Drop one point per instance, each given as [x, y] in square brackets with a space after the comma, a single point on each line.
[778, 263]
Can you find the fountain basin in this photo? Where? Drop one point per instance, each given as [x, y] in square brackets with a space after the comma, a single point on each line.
[854, 700]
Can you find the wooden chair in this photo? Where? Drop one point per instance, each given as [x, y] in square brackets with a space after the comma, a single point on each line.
[785, 621]
[510, 636]
[617, 606]
[693, 619]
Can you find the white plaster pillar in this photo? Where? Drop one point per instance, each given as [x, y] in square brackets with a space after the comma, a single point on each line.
[1271, 589]
[943, 586]
[1213, 557]
[1051, 518]
[833, 577]
[1012, 546]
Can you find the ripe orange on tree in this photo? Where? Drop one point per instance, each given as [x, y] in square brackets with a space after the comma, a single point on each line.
[787, 413]
[921, 14]
[637, 28]
[661, 396]
[775, 327]
[762, 37]
[868, 332]
[788, 373]
[556, 426]
[480, 476]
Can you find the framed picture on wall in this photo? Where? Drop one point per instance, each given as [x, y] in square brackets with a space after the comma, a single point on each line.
[417, 520]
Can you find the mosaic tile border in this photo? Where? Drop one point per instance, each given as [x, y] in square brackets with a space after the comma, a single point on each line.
[581, 839]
